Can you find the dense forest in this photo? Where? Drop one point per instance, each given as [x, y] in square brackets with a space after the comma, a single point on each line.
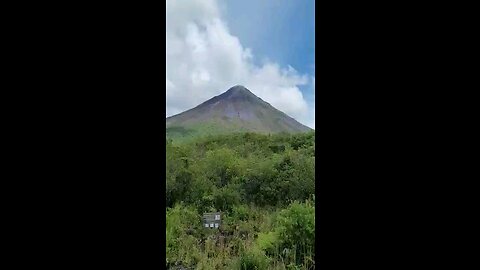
[264, 187]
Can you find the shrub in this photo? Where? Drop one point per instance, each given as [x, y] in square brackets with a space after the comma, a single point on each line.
[225, 198]
[181, 220]
[268, 242]
[240, 212]
[253, 259]
[296, 231]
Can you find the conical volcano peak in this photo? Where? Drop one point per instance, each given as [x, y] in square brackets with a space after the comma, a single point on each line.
[237, 109]
[238, 89]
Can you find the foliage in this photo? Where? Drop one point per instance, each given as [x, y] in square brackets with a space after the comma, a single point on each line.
[264, 186]
[296, 230]
[253, 259]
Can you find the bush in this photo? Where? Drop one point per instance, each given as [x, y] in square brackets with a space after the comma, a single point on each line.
[296, 231]
[253, 259]
[180, 222]
[268, 242]
[225, 198]
[240, 212]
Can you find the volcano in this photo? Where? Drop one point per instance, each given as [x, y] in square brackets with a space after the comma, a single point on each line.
[236, 110]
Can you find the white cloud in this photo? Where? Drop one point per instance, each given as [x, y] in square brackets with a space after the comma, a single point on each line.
[313, 84]
[204, 60]
[311, 119]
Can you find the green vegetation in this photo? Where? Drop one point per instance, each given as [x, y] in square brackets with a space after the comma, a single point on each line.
[180, 134]
[263, 184]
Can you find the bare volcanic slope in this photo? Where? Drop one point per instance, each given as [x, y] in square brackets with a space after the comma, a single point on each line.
[236, 110]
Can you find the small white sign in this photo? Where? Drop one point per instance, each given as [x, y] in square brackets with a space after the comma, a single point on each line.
[211, 225]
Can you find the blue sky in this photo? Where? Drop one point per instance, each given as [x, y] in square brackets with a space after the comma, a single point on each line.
[281, 30]
[266, 45]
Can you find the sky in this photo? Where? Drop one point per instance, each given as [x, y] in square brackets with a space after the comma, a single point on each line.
[266, 45]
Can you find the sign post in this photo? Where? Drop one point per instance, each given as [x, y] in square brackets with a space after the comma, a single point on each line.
[212, 220]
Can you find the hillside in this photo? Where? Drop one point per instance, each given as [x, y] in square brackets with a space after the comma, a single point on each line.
[236, 110]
